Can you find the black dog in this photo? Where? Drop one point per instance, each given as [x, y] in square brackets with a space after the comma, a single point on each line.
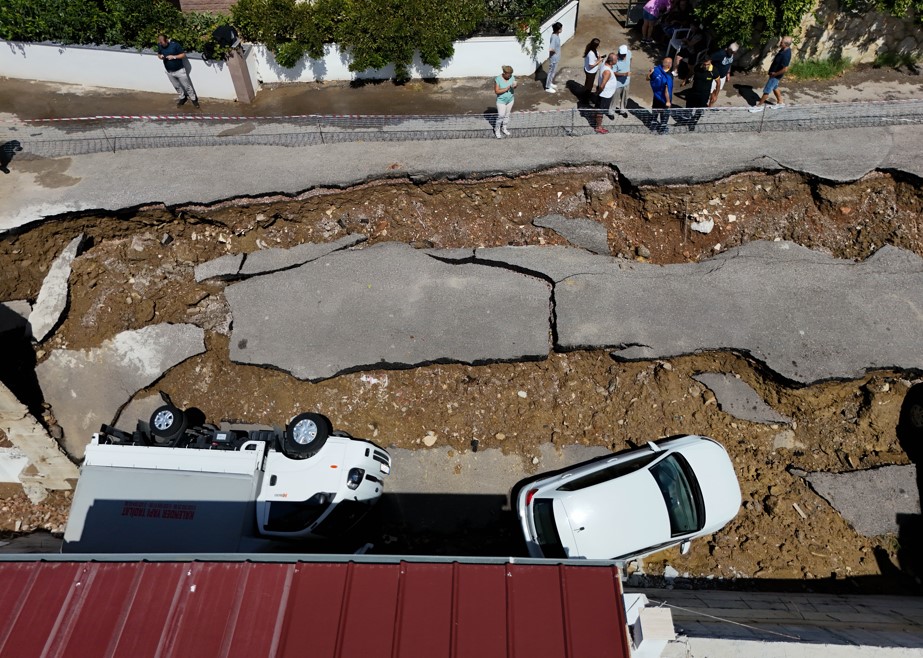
[7, 151]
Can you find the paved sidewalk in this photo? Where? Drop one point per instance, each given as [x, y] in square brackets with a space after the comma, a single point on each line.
[857, 620]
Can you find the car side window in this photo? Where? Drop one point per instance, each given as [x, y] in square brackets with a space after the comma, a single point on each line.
[609, 473]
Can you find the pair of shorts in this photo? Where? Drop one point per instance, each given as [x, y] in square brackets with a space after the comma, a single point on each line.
[648, 16]
[604, 103]
[771, 85]
[718, 83]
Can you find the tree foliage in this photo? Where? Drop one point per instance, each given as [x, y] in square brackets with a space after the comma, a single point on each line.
[893, 7]
[133, 23]
[375, 32]
[745, 20]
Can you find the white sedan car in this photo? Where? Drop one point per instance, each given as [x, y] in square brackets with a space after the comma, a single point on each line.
[633, 503]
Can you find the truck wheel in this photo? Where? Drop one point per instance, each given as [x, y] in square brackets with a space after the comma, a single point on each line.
[167, 425]
[305, 435]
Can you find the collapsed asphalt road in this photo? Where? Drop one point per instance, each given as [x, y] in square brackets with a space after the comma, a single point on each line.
[149, 272]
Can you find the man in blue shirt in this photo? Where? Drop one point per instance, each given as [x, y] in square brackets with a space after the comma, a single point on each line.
[173, 56]
[662, 86]
[776, 70]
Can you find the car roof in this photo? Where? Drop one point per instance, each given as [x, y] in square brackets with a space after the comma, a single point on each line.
[604, 530]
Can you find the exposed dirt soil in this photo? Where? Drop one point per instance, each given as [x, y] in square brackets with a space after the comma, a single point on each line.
[138, 269]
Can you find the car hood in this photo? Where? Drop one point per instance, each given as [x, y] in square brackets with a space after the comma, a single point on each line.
[621, 517]
[717, 480]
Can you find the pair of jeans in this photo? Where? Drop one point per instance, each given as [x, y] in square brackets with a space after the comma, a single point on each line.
[660, 116]
[552, 71]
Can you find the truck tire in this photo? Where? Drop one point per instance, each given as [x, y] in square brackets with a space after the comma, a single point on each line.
[305, 435]
[167, 425]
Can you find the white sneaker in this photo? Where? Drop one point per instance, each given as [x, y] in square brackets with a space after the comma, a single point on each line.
[551, 90]
[757, 108]
[777, 106]
[505, 131]
[499, 136]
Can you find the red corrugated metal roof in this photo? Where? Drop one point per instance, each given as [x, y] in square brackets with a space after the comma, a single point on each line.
[316, 609]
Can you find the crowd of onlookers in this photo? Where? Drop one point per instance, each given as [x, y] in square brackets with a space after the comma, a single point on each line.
[608, 75]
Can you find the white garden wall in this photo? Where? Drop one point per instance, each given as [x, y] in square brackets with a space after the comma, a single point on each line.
[109, 67]
[480, 57]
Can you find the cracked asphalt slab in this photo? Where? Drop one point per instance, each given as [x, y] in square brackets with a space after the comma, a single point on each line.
[47, 187]
[383, 306]
[807, 316]
[394, 306]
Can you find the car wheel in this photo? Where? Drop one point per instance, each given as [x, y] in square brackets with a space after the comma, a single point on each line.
[305, 435]
[167, 425]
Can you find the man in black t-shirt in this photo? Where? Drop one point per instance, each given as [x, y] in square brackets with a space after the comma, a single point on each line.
[173, 56]
[721, 62]
[776, 70]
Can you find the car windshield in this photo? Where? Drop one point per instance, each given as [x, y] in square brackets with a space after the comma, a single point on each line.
[680, 494]
[545, 530]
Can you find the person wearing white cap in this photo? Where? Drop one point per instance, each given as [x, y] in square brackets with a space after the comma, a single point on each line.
[622, 70]
[722, 61]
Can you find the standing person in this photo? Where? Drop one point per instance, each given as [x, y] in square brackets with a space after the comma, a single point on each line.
[173, 56]
[653, 10]
[554, 57]
[662, 86]
[699, 95]
[606, 92]
[504, 84]
[622, 71]
[721, 63]
[591, 62]
[776, 70]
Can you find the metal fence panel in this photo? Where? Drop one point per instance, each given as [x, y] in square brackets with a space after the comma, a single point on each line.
[82, 135]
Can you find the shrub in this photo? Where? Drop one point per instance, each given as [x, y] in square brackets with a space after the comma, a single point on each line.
[375, 32]
[382, 32]
[819, 69]
[895, 60]
[133, 23]
[745, 20]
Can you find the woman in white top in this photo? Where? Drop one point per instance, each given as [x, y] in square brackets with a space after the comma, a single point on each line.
[606, 92]
[591, 62]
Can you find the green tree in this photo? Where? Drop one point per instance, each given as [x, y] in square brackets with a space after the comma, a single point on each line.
[893, 7]
[746, 20]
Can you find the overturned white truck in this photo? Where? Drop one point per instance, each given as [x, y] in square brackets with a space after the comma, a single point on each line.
[178, 484]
